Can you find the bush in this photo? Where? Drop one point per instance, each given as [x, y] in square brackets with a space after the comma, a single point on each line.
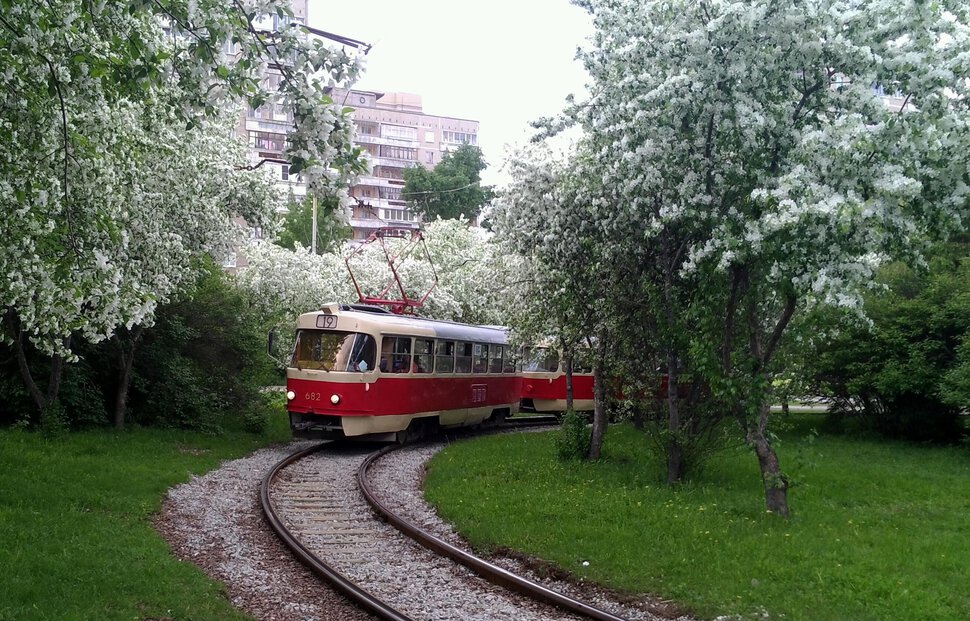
[200, 366]
[574, 437]
[256, 419]
[203, 364]
[81, 402]
[82, 394]
[904, 376]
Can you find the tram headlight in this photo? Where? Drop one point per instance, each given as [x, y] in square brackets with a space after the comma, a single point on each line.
[335, 399]
[290, 395]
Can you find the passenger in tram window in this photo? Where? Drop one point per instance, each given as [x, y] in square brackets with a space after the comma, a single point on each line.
[423, 356]
[402, 354]
[387, 344]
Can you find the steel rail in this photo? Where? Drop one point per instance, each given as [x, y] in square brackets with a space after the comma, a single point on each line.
[530, 421]
[490, 572]
[351, 590]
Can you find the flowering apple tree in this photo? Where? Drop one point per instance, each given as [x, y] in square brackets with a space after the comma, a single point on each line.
[746, 159]
[118, 169]
[471, 275]
[565, 286]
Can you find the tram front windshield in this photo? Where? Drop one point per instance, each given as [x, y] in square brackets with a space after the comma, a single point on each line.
[333, 350]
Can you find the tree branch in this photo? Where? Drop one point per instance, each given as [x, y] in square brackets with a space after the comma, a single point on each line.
[783, 321]
[738, 284]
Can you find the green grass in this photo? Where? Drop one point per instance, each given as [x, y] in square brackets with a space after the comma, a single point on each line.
[76, 539]
[880, 530]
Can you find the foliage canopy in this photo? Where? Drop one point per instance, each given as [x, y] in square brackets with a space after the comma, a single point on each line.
[450, 190]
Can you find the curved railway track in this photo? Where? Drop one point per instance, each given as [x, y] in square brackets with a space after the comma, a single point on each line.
[318, 510]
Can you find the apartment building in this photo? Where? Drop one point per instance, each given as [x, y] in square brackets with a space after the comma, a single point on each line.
[397, 134]
[392, 127]
[266, 127]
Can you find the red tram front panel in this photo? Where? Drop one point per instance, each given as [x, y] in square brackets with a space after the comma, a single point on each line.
[388, 404]
[390, 396]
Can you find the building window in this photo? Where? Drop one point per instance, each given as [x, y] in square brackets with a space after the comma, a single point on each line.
[389, 172]
[268, 142]
[459, 137]
[285, 172]
[429, 157]
[401, 133]
[398, 153]
[391, 194]
[429, 136]
[398, 215]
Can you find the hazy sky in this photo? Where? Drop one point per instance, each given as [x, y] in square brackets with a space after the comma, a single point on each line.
[502, 62]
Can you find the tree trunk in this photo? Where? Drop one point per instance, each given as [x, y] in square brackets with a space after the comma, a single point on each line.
[39, 399]
[675, 453]
[126, 360]
[775, 481]
[568, 360]
[599, 402]
[125, 363]
[43, 400]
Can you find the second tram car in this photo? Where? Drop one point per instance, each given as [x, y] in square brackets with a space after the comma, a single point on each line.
[544, 382]
[362, 371]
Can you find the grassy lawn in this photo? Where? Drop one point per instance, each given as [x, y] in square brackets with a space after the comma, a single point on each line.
[880, 530]
[76, 540]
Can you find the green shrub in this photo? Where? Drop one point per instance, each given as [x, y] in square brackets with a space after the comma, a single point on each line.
[256, 419]
[200, 366]
[53, 421]
[574, 437]
[203, 363]
[82, 394]
[903, 376]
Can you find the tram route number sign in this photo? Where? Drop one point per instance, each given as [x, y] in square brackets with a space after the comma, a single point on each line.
[328, 322]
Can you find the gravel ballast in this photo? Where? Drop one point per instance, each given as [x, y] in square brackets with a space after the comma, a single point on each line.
[215, 522]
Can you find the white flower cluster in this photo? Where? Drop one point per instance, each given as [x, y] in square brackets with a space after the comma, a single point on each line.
[119, 169]
[471, 276]
[754, 133]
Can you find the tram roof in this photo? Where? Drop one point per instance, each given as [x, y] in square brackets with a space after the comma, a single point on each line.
[387, 322]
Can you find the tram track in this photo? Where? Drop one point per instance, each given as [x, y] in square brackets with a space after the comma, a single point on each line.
[320, 507]
[329, 528]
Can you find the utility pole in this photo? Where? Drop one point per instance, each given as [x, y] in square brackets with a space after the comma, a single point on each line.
[313, 233]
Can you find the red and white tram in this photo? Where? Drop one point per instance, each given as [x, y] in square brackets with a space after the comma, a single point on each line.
[362, 371]
[544, 382]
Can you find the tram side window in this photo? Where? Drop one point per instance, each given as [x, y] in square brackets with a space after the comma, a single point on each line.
[362, 354]
[549, 361]
[540, 359]
[396, 354]
[445, 357]
[508, 365]
[495, 361]
[423, 360]
[463, 358]
[481, 358]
